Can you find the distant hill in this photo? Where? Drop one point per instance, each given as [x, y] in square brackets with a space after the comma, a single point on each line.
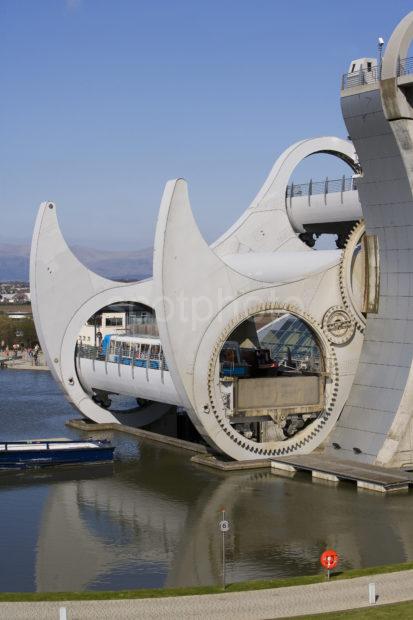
[14, 262]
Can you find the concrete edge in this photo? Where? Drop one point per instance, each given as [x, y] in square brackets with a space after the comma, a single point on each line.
[81, 425]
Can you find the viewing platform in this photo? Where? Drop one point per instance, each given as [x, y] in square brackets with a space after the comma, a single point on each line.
[373, 74]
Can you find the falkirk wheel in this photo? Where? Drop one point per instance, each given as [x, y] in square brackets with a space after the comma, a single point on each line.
[270, 346]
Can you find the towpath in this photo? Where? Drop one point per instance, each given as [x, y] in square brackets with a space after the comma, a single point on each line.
[27, 363]
[253, 605]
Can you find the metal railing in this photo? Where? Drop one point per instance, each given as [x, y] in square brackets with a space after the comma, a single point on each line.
[405, 66]
[155, 362]
[87, 351]
[329, 186]
[359, 78]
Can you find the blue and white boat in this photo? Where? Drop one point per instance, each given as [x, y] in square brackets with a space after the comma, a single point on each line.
[43, 453]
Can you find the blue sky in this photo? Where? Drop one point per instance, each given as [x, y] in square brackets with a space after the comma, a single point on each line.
[103, 101]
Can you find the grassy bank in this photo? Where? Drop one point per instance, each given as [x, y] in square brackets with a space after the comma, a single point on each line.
[242, 586]
[401, 611]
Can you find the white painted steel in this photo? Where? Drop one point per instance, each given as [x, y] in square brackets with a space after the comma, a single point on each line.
[65, 294]
[191, 348]
[265, 225]
[329, 208]
[191, 270]
[282, 267]
[261, 264]
[149, 383]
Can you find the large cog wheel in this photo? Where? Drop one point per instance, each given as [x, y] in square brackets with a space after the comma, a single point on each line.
[304, 437]
[346, 271]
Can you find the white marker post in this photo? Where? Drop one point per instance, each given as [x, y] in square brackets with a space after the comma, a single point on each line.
[372, 593]
[224, 527]
[62, 613]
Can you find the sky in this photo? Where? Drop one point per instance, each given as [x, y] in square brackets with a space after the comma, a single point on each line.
[103, 101]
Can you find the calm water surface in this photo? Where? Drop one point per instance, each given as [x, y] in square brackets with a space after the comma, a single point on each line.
[151, 519]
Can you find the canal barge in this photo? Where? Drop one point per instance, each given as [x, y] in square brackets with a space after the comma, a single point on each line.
[43, 453]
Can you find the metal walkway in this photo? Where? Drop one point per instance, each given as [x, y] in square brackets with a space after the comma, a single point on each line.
[371, 477]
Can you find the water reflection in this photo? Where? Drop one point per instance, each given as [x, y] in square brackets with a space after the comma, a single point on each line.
[151, 518]
[161, 528]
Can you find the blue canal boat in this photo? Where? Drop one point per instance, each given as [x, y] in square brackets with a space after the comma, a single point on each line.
[43, 453]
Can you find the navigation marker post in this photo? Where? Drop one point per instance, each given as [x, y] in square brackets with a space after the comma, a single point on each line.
[224, 527]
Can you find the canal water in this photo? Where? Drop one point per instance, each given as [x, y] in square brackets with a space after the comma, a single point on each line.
[151, 518]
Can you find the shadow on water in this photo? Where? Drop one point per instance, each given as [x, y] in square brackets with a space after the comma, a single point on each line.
[151, 518]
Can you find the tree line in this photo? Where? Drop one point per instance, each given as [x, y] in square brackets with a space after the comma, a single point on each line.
[17, 331]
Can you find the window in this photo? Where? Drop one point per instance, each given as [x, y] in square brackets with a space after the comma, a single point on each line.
[369, 66]
[353, 66]
[115, 347]
[113, 321]
[145, 350]
[125, 349]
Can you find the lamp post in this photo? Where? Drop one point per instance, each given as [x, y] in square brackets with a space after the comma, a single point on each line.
[380, 43]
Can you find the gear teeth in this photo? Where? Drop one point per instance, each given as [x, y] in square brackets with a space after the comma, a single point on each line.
[317, 426]
[344, 276]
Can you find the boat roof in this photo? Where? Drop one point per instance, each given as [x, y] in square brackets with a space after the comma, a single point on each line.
[10, 446]
[136, 339]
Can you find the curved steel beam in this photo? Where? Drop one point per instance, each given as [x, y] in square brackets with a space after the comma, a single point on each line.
[265, 226]
[65, 294]
[219, 298]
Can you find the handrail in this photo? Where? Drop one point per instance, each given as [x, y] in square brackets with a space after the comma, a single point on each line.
[359, 78]
[405, 66]
[152, 362]
[328, 186]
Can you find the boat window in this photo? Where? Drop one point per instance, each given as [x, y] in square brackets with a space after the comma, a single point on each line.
[353, 66]
[369, 66]
[155, 350]
[228, 355]
[145, 350]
